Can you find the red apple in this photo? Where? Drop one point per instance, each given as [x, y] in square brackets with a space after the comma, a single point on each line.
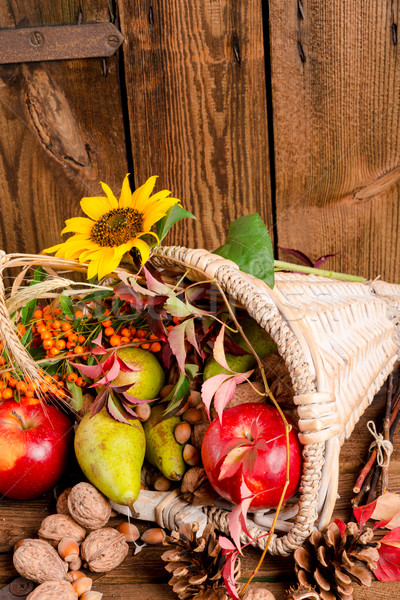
[34, 442]
[251, 442]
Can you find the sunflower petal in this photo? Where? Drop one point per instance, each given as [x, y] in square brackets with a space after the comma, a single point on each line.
[143, 249]
[95, 207]
[113, 202]
[126, 194]
[53, 248]
[108, 262]
[78, 225]
[140, 197]
[157, 212]
[93, 268]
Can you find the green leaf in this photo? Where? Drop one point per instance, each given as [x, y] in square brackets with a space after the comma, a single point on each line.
[175, 214]
[75, 391]
[27, 311]
[176, 395]
[27, 337]
[192, 370]
[249, 245]
[67, 307]
[38, 276]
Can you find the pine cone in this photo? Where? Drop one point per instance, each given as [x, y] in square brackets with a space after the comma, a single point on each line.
[196, 564]
[332, 563]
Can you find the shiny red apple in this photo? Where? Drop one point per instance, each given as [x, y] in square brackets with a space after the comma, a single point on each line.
[251, 445]
[34, 442]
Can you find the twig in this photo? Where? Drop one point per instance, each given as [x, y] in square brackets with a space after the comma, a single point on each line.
[386, 433]
[287, 266]
[367, 467]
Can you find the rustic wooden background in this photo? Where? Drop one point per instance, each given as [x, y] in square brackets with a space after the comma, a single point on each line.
[289, 108]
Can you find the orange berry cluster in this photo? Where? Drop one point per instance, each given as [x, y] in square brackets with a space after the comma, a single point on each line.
[128, 334]
[56, 334]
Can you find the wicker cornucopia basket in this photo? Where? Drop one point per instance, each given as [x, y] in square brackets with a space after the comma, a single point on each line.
[339, 340]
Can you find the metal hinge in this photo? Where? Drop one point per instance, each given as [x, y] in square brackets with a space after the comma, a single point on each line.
[59, 42]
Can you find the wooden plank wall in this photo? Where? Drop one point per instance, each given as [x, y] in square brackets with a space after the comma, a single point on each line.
[285, 107]
[61, 130]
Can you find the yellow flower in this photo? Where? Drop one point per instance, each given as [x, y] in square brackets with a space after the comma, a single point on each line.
[114, 226]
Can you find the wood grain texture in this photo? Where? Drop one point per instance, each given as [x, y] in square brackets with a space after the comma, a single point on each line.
[144, 575]
[335, 92]
[197, 104]
[62, 130]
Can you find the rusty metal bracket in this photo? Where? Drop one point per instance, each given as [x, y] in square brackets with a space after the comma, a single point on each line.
[59, 42]
[18, 589]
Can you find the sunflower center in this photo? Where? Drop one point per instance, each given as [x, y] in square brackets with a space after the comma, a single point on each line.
[117, 227]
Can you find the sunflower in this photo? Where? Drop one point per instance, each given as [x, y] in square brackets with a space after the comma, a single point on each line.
[114, 226]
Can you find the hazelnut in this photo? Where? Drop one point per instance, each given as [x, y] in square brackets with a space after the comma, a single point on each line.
[143, 411]
[130, 531]
[195, 399]
[167, 389]
[153, 536]
[191, 455]
[82, 585]
[68, 549]
[75, 564]
[162, 484]
[76, 575]
[192, 416]
[88, 507]
[182, 433]
[91, 595]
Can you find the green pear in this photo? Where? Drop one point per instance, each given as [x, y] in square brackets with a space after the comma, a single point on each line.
[111, 455]
[146, 383]
[239, 364]
[162, 449]
[260, 339]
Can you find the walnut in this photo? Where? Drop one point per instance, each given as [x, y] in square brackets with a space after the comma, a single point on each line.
[88, 507]
[196, 489]
[198, 433]
[104, 549]
[246, 393]
[62, 502]
[258, 593]
[56, 527]
[54, 590]
[38, 561]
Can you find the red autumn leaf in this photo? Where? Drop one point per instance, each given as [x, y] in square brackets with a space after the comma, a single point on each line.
[128, 294]
[237, 517]
[92, 371]
[191, 335]
[342, 526]
[219, 350]
[392, 538]
[388, 568]
[233, 461]
[320, 261]
[228, 574]
[363, 513]
[224, 394]
[209, 388]
[176, 340]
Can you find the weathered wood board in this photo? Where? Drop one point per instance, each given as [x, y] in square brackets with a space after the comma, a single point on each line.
[61, 130]
[335, 94]
[195, 83]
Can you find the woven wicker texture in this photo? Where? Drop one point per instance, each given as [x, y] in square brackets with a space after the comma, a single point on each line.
[339, 340]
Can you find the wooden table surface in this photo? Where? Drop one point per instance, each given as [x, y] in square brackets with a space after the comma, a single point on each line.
[144, 576]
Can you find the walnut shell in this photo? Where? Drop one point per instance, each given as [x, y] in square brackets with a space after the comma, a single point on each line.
[56, 527]
[38, 561]
[246, 393]
[54, 590]
[104, 549]
[62, 502]
[88, 507]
